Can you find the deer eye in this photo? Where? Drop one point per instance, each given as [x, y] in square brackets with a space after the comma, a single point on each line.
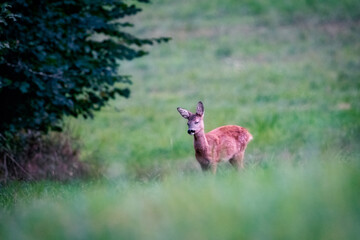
[196, 122]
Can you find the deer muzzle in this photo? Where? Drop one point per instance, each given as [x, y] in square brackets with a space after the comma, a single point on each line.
[191, 132]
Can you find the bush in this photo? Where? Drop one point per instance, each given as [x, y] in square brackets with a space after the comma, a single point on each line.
[34, 156]
[60, 58]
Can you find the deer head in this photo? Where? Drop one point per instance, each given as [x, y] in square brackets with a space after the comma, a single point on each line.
[195, 120]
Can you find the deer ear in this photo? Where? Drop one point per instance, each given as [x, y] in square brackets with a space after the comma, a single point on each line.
[184, 113]
[200, 109]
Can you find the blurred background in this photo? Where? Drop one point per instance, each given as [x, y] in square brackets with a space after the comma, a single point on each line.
[286, 70]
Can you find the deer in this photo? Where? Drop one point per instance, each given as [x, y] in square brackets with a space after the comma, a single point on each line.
[225, 143]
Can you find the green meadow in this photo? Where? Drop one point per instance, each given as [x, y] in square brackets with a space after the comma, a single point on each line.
[288, 71]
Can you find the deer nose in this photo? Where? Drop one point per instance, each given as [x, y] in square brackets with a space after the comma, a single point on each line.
[191, 131]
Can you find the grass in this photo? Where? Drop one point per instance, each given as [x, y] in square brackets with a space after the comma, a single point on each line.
[292, 81]
[287, 70]
[315, 201]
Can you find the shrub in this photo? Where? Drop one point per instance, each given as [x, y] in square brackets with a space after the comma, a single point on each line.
[60, 58]
[35, 156]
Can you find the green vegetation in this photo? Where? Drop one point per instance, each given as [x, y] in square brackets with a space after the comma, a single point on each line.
[53, 62]
[316, 201]
[286, 70]
[293, 82]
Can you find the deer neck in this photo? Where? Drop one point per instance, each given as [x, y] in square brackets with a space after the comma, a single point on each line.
[200, 142]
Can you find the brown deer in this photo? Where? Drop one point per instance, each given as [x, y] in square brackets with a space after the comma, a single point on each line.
[226, 143]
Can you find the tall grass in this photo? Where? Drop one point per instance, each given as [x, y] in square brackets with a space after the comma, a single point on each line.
[317, 200]
[286, 70]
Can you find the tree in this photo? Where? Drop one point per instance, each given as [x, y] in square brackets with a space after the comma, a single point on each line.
[60, 58]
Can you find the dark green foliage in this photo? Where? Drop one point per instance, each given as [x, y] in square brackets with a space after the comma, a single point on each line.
[60, 58]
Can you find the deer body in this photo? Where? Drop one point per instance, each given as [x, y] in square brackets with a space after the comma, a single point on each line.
[226, 143]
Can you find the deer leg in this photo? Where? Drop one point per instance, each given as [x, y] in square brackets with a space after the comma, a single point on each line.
[207, 167]
[238, 161]
[213, 168]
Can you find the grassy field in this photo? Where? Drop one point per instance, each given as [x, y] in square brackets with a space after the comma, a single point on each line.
[283, 202]
[288, 71]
